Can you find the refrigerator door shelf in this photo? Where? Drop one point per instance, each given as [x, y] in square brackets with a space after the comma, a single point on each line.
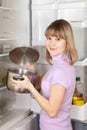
[79, 112]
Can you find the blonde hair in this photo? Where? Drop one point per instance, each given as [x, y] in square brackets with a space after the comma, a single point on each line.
[61, 28]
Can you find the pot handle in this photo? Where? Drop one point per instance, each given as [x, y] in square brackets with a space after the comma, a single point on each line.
[18, 77]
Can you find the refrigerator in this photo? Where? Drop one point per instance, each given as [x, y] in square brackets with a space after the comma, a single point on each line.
[23, 23]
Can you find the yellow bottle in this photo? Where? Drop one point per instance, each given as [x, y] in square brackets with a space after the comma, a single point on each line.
[75, 98]
[78, 97]
[78, 100]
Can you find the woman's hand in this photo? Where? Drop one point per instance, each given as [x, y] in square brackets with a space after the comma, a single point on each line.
[23, 84]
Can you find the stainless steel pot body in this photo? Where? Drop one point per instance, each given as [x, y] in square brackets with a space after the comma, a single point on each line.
[17, 74]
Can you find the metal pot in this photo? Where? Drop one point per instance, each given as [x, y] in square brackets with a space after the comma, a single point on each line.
[25, 57]
[17, 74]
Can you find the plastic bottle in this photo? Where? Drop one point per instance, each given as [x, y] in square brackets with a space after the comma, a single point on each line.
[78, 97]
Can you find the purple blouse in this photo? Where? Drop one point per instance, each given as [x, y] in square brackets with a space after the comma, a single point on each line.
[63, 73]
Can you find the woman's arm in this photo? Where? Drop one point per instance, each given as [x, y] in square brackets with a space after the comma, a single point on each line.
[51, 105]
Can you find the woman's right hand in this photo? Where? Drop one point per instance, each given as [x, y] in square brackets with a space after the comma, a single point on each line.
[23, 84]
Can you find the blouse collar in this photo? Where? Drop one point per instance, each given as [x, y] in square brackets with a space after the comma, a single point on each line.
[60, 58]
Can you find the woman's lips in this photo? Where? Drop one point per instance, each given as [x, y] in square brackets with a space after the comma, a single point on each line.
[52, 49]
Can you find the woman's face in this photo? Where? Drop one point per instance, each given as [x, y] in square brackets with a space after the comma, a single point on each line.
[55, 45]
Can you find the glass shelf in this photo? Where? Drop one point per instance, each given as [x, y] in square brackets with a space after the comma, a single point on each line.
[7, 38]
[2, 55]
[6, 8]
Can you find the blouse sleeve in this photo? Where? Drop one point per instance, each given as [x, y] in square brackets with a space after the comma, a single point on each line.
[61, 77]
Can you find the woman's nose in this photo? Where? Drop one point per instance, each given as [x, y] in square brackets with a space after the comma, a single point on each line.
[52, 42]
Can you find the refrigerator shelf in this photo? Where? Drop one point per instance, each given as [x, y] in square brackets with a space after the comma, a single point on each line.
[2, 55]
[7, 38]
[5, 8]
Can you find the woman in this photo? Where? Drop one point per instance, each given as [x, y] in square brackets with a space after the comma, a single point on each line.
[58, 84]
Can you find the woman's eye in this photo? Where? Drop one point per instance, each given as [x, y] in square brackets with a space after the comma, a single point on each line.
[58, 38]
[48, 38]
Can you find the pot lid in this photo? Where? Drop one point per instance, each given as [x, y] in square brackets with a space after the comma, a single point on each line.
[24, 55]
